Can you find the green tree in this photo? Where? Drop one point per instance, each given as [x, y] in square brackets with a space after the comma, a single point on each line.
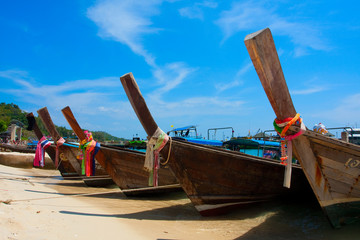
[3, 126]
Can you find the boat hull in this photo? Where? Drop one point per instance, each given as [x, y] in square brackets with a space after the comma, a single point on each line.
[127, 167]
[334, 175]
[216, 180]
[331, 166]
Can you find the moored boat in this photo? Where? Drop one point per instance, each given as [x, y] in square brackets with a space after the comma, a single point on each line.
[65, 167]
[70, 152]
[215, 179]
[331, 166]
[126, 167]
[189, 134]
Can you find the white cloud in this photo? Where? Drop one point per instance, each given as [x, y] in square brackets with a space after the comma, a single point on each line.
[96, 108]
[196, 10]
[83, 95]
[237, 80]
[315, 89]
[171, 76]
[202, 106]
[224, 86]
[192, 12]
[250, 15]
[127, 22]
[347, 111]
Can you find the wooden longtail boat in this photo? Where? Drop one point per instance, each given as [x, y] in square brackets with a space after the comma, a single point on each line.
[70, 153]
[215, 179]
[126, 167]
[65, 167]
[15, 148]
[331, 166]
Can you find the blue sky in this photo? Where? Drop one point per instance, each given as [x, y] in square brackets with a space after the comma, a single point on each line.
[188, 58]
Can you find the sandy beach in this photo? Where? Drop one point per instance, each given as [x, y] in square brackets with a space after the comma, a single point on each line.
[40, 204]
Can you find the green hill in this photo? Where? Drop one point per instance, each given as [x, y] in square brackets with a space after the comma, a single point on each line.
[10, 112]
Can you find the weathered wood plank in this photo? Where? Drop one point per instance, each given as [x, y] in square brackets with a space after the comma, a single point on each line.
[137, 101]
[50, 126]
[65, 168]
[107, 165]
[263, 54]
[330, 142]
[126, 167]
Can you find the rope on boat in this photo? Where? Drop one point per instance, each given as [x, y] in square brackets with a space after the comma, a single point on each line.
[167, 160]
[89, 148]
[59, 142]
[281, 127]
[152, 163]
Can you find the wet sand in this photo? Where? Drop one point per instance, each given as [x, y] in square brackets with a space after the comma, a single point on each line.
[40, 204]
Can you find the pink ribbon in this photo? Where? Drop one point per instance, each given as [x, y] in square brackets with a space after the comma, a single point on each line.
[39, 160]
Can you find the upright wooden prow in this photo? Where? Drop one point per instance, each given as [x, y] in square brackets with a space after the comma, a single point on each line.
[48, 123]
[70, 118]
[33, 125]
[31, 120]
[138, 103]
[65, 169]
[262, 51]
[100, 157]
[69, 152]
[323, 159]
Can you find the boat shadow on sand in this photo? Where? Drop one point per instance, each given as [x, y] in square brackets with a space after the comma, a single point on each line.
[277, 219]
[300, 221]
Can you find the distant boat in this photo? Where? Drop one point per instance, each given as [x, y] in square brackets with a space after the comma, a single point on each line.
[331, 166]
[126, 167]
[215, 179]
[255, 147]
[189, 134]
[354, 136]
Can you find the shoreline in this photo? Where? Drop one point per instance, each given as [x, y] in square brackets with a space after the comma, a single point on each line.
[44, 206]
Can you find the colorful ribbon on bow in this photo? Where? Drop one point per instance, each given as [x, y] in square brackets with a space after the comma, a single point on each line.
[152, 161]
[89, 149]
[281, 127]
[39, 160]
[59, 142]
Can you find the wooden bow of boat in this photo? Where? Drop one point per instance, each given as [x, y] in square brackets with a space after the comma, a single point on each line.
[125, 166]
[65, 168]
[100, 157]
[138, 103]
[69, 153]
[323, 160]
[268, 67]
[100, 179]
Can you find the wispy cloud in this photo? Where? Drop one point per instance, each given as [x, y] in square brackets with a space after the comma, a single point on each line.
[96, 108]
[202, 106]
[237, 79]
[84, 95]
[127, 22]
[255, 15]
[346, 112]
[170, 76]
[307, 91]
[196, 10]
